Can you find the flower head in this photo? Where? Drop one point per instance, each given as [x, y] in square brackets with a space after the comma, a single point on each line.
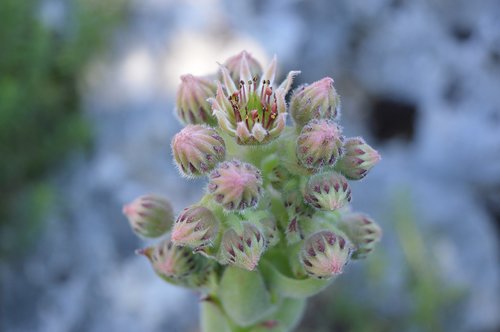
[318, 100]
[191, 102]
[235, 64]
[358, 159]
[149, 215]
[252, 110]
[235, 185]
[325, 254]
[243, 249]
[319, 144]
[171, 261]
[363, 232]
[327, 191]
[195, 227]
[197, 150]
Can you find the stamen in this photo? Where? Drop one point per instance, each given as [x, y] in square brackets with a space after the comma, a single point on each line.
[262, 95]
[246, 117]
[242, 91]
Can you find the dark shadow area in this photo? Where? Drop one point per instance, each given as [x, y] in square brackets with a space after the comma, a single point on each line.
[392, 118]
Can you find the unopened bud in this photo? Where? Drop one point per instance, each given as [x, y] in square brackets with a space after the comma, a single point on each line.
[235, 185]
[270, 230]
[327, 191]
[358, 159]
[325, 254]
[149, 215]
[245, 61]
[197, 150]
[243, 250]
[171, 261]
[293, 231]
[191, 103]
[363, 232]
[319, 144]
[195, 227]
[318, 100]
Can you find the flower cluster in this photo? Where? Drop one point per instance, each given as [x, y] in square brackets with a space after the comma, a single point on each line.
[275, 214]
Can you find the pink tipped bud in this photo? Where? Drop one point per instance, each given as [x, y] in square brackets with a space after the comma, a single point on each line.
[197, 150]
[319, 144]
[363, 232]
[327, 191]
[318, 100]
[149, 215]
[191, 104]
[195, 227]
[238, 64]
[325, 254]
[358, 159]
[171, 261]
[243, 250]
[236, 185]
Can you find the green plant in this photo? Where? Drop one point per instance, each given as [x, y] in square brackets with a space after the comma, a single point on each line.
[274, 226]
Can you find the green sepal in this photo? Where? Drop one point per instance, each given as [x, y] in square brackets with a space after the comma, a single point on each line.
[244, 296]
[290, 287]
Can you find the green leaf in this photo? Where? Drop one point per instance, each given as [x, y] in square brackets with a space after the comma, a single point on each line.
[244, 296]
[212, 318]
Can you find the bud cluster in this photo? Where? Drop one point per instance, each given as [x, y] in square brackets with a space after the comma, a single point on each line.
[276, 205]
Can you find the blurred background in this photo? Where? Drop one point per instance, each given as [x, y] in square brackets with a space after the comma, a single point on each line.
[86, 118]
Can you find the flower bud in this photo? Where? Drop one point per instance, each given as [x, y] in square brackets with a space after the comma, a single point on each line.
[197, 150]
[149, 215]
[235, 185]
[270, 230]
[195, 227]
[325, 254]
[327, 191]
[293, 231]
[318, 100]
[243, 60]
[358, 159]
[363, 232]
[171, 261]
[191, 103]
[243, 250]
[319, 144]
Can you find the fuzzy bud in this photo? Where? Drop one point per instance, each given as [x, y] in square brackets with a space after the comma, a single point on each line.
[171, 261]
[319, 144]
[318, 100]
[243, 60]
[236, 185]
[358, 159]
[197, 150]
[363, 232]
[243, 250]
[325, 254]
[191, 103]
[327, 191]
[149, 215]
[195, 227]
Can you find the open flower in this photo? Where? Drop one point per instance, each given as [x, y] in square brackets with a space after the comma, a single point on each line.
[253, 111]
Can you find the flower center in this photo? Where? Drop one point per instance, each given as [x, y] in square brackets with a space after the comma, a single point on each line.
[253, 106]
